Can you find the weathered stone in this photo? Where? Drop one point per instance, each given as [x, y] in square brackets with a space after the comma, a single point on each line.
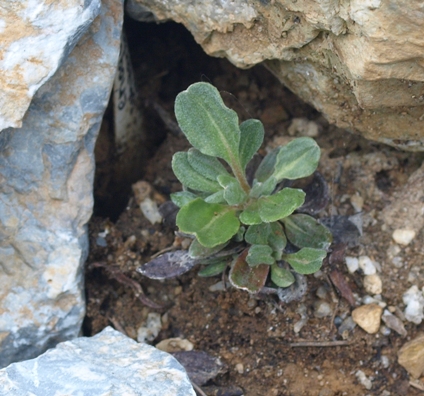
[368, 317]
[360, 64]
[411, 356]
[406, 211]
[106, 364]
[46, 177]
[373, 284]
[36, 37]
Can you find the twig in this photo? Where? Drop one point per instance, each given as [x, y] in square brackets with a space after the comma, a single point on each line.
[417, 384]
[162, 251]
[198, 389]
[117, 325]
[319, 343]
[118, 275]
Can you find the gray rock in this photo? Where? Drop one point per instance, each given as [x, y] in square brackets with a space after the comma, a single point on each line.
[36, 38]
[312, 47]
[106, 364]
[46, 178]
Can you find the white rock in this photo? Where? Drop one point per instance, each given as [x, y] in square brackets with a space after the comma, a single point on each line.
[303, 127]
[150, 330]
[373, 284]
[366, 265]
[107, 364]
[352, 264]
[403, 236]
[414, 301]
[394, 323]
[363, 379]
[150, 210]
[322, 309]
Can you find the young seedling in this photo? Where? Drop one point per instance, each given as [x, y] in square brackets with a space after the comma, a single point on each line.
[250, 226]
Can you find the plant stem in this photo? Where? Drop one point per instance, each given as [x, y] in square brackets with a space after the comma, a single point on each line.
[241, 178]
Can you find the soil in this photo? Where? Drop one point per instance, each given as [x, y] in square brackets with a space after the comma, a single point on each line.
[255, 337]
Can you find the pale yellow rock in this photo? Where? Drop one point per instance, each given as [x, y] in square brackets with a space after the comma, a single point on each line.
[175, 345]
[411, 356]
[348, 59]
[373, 284]
[368, 317]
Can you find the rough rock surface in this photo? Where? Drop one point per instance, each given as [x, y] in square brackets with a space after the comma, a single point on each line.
[106, 364]
[46, 178]
[359, 63]
[411, 356]
[36, 37]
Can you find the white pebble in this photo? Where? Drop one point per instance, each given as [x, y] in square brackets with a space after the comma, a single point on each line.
[366, 265]
[352, 264]
[151, 328]
[219, 286]
[362, 378]
[373, 284]
[403, 236]
[239, 368]
[322, 309]
[385, 362]
[414, 301]
[150, 211]
[357, 202]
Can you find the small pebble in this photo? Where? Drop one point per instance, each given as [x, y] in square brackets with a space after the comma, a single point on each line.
[357, 202]
[403, 236]
[322, 309]
[150, 330]
[150, 211]
[374, 300]
[175, 345]
[346, 327]
[414, 301]
[366, 265]
[411, 356]
[368, 317]
[352, 264]
[219, 286]
[385, 362]
[393, 322]
[373, 284]
[321, 292]
[362, 378]
[303, 127]
[239, 368]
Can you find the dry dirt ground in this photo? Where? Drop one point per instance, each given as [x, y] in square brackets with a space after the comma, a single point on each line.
[254, 337]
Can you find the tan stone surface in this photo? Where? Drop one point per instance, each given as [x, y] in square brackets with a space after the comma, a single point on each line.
[368, 317]
[360, 63]
[411, 356]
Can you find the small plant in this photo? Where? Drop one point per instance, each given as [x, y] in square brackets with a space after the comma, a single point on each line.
[250, 226]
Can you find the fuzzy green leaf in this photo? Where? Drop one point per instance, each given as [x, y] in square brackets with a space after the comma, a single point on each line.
[297, 159]
[248, 278]
[258, 234]
[233, 193]
[189, 177]
[250, 215]
[267, 166]
[182, 198]
[281, 277]
[263, 188]
[275, 207]
[217, 197]
[306, 260]
[259, 254]
[212, 224]
[208, 124]
[277, 239]
[213, 269]
[207, 166]
[199, 251]
[251, 138]
[303, 230]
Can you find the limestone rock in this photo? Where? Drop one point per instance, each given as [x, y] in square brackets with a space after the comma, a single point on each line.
[411, 356]
[46, 174]
[106, 364]
[406, 211]
[36, 38]
[373, 284]
[368, 317]
[358, 63]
